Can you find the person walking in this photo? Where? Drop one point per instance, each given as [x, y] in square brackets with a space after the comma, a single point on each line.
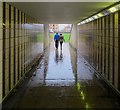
[56, 39]
[61, 39]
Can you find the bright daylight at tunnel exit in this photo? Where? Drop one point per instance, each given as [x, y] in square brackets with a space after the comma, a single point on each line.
[59, 55]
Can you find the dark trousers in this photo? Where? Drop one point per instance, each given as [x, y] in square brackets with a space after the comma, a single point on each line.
[61, 44]
[56, 43]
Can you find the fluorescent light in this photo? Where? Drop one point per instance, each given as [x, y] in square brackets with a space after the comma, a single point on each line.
[106, 12]
[100, 14]
[83, 22]
[90, 19]
[95, 17]
[113, 9]
[87, 20]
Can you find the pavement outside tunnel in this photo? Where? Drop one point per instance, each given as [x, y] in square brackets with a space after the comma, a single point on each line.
[63, 80]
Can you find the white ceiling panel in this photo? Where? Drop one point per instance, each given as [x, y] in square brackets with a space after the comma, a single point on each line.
[60, 12]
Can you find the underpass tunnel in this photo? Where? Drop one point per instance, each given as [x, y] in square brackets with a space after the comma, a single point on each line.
[90, 56]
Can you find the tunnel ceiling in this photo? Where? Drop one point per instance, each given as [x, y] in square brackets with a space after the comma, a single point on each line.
[60, 12]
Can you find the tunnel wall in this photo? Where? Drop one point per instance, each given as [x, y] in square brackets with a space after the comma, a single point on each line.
[1, 40]
[99, 44]
[21, 46]
[74, 36]
[46, 34]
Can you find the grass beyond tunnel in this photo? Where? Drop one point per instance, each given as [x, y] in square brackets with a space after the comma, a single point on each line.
[66, 36]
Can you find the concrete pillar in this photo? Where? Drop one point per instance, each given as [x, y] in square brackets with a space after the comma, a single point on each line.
[46, 36]
[1, 46]
[74, 36]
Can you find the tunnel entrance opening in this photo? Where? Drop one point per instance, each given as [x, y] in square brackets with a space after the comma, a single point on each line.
[64, 29]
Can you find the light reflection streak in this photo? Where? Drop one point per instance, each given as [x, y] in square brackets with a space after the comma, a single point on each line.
[82, 95]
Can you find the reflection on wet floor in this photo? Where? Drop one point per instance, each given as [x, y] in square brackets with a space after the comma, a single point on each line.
[59, 70]
[64, 80]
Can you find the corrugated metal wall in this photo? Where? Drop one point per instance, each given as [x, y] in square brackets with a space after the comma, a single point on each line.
[22, 45]
[1, 43]
[99, 45]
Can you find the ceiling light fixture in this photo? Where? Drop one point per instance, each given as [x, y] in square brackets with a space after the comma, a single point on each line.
[100, 14]
[113, 9]
[103, 13]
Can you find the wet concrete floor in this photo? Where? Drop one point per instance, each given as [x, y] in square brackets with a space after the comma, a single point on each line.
[63, 80]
